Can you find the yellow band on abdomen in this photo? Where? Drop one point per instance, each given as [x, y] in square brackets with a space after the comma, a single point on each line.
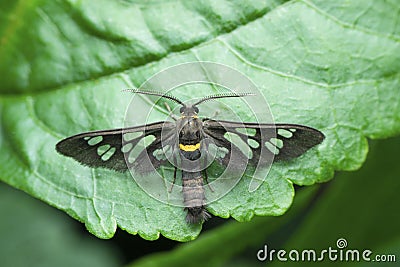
[189, 147]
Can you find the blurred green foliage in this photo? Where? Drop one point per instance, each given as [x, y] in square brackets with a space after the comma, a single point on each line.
[34, 234]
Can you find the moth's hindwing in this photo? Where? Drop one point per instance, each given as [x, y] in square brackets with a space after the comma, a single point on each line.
[110, 148]
[280, 141]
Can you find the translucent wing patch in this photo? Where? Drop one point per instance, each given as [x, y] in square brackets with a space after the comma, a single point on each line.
[294, 140]
[110, 148]
[255, 142]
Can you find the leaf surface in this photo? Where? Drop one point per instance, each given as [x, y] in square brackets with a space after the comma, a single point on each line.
[325, 64]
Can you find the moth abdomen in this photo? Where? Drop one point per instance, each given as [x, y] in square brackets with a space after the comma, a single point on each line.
[197, 215]
[194, 197]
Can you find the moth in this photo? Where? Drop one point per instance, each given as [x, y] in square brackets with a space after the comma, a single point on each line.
[189, 137]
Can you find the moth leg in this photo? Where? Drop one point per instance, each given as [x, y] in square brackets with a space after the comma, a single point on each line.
[206, 178]
[173, 182]
[172, 115]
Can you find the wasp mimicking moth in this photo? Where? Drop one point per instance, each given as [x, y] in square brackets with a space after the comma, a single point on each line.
[189, 137]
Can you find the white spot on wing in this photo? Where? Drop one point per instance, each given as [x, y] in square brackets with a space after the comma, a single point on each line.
[247, 131]
[285, 133]
[253, 143]
[274, 150]
[139, 147]
[108, 154]
[242, 145]
[92, 141]
[130, 136]
[276, 142]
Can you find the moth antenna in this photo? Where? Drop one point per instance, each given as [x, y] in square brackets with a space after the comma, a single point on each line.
[224, 95]
[157, 93]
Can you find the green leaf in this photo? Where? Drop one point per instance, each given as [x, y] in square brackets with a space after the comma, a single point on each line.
[331, 65]
[33, 234]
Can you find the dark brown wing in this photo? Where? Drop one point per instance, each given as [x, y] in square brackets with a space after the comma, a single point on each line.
[109, 148]
[265, 141]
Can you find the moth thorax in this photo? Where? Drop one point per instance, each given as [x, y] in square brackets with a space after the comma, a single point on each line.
[190, 133]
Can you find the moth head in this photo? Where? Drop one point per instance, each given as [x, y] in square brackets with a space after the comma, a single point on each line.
[189, 110]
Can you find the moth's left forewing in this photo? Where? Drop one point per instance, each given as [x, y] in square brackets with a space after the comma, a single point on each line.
[95, 149]
[117, 149]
